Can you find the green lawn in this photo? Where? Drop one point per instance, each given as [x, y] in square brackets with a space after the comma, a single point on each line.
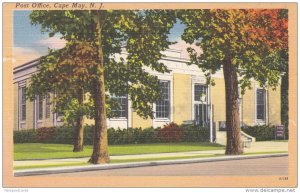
[29, 151]
[281, 140]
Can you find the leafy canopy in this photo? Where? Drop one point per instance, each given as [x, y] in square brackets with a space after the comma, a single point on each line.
[251, 39]
[142, 34]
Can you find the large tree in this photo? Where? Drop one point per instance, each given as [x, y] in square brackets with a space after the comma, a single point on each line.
[104, 33]
[245, 44]
[68, 86]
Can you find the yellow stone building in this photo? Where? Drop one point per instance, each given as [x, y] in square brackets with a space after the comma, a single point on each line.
[182, 101]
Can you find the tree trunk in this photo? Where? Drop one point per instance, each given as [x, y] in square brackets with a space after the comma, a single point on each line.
[78, 138]
[100, 146]
[234, 144]
[285, 102]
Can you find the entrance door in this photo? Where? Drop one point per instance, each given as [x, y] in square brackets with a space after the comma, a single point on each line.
[201, 116]
[201, 107]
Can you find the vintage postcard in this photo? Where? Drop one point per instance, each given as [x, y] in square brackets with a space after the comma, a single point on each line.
[150, 95]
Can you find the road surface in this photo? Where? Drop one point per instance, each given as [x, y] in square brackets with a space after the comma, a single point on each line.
[261, 166]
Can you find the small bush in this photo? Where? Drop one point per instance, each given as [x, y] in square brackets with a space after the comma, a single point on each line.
[195, 133]
[45, 134]
[25, 136]
[149, 135]
[170, 133]
[63, 135]
[132, 136]
[88, 135]
[261, 132]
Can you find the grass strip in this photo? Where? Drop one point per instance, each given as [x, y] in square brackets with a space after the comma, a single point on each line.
[32, 151]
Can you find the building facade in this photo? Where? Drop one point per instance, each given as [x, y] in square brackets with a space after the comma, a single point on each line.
[186, 98]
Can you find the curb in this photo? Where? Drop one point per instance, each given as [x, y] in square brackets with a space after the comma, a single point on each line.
[71, 169]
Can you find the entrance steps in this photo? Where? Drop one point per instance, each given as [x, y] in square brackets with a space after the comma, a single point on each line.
[247, 139]
[221, 137]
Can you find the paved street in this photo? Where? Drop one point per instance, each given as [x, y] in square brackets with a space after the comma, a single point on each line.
[261, 166]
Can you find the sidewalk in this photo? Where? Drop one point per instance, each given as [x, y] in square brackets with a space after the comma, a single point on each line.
[255, 148]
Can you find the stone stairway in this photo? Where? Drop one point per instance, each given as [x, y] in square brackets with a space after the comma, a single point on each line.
[247, 139]
[221, 137]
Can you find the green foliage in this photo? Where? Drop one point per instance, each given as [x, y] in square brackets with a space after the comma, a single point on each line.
[195, 133]
[244, 37]
[132, 136]
[73, 109]
[65, 135]
[144, 34]
[261, 132]
[247, 44]
[25, 136]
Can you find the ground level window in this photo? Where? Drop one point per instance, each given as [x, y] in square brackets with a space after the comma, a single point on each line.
[200, 104]
[163, 105]
[40, 107]
[261, 104]
[121, 111]
[48, 105]
[22, 103]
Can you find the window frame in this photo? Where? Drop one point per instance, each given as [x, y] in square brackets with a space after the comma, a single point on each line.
[22, 103]
[168, 101]
[259, 120]
[125, 97]
[40, 108]
[205, 104]
[48, 106]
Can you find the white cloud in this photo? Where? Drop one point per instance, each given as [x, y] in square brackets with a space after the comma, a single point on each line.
[21, 55]
[54, 42]
[39, 48]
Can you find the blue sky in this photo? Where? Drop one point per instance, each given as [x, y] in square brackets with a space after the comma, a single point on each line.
[30, 43]
[25, 34]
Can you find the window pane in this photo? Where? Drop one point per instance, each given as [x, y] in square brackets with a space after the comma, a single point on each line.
[122, 111]
[23, 95]
[23, 112]
[40, 103]
[199, 90]
[163, 105]
[260, 112]
[260, 104]
[260, 96]
[201, 115]
[23, 104]
[48, 106]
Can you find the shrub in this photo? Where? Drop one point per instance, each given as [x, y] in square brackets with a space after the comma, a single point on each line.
[65, 135]
[170, 133]
[132, 136]
[149, 135]
[261, 132]
[45, 134]
[88, 135]
[25, 136]
[195, 133]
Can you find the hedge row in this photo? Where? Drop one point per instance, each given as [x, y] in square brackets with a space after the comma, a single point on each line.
[64, 135]
[169, 133]
[261, 132]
